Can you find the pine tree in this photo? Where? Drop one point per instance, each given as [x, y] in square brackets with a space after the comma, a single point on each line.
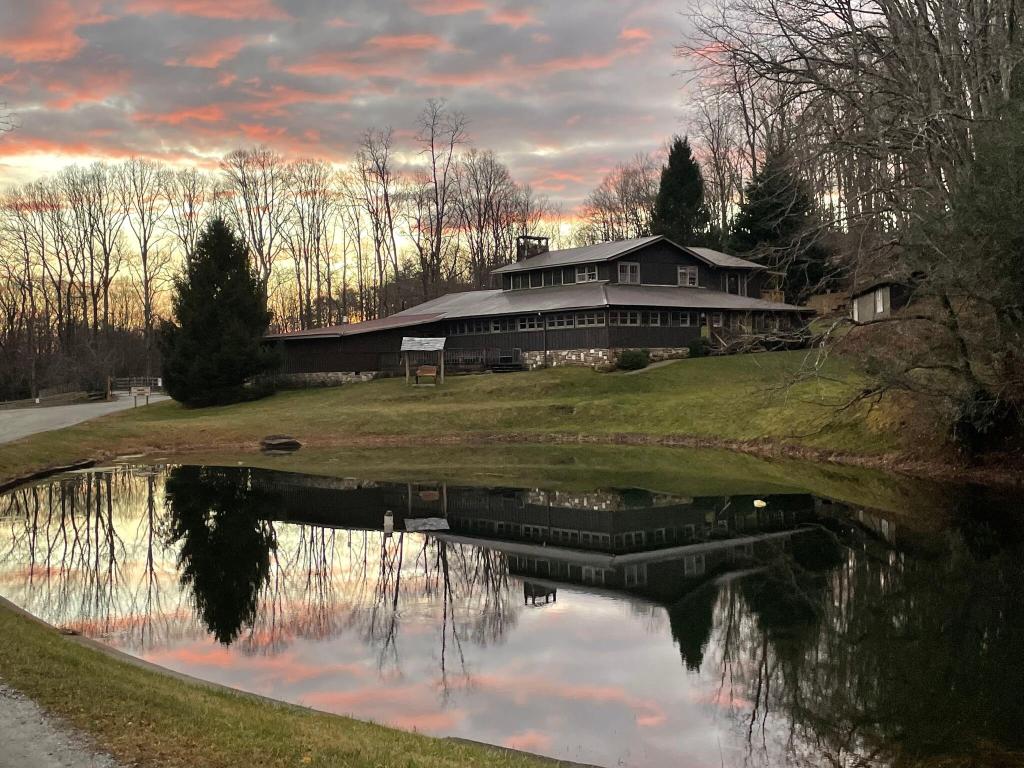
[221, 314]
[775, 227]
[679, 210]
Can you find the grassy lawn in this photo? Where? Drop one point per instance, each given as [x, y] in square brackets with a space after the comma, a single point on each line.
[150, 719]
[737, 398]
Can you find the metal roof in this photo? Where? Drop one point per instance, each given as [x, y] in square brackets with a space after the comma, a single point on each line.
[720, 259]
[412, 344]
[608, 251]
[578, 296]
[400, 320]
[690, 298]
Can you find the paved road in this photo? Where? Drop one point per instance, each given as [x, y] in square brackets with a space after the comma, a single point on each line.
[32, 739]
[21, 422]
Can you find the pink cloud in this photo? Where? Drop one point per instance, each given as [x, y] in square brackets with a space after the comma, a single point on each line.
[210, 113]
[635, 33]
[213, 53]
[448, 7]
[240, 10]
[47, 30]
[413, 42]
[85, 86]
[513, 17]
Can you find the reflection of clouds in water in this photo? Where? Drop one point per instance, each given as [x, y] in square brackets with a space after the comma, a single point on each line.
[804, 661]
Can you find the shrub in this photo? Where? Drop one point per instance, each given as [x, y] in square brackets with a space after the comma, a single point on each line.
[698, 347]
[633, 359]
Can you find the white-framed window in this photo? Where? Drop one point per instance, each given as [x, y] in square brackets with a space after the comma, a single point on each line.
[687, 276]
[584, 319]
[623, 317]
[716, 319]
[495, 326]
[629, 272]
[530, 323]
[653, 318]
[586, 273]
[879, 301]
[560, 321]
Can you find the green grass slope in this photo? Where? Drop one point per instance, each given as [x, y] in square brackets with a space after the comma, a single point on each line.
[725, 399]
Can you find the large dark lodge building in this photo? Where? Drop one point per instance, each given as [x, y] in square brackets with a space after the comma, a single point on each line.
[579, 306]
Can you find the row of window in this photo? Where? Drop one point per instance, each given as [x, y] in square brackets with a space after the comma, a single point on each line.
[669, 319]
[629, 274]
[617, 317]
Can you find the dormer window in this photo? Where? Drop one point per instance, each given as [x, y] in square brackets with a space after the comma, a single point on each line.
[687, 276]
[586, 273]
[629, 272]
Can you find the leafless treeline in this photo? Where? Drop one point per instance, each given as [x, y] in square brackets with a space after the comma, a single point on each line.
[887, 108]
[86, 256]
[622, 205]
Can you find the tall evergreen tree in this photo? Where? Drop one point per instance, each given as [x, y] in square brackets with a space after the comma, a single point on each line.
[679, 210]
[775, 226]
[220, 309]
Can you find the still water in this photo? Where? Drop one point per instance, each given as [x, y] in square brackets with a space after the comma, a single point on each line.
[614, 626]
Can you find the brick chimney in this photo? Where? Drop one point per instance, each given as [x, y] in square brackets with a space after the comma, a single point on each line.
[530, 245]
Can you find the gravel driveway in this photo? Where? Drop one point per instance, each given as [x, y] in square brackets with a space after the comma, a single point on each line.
[31, 739]
[22, 422]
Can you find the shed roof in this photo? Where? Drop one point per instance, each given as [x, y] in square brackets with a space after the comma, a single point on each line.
[413, 344]
[607, 251]
[578, 296]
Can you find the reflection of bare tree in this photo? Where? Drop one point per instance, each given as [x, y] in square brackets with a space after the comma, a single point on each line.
[98, 552]
[876, 658]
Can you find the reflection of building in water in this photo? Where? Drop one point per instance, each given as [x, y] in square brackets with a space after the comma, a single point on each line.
[619, 521]
[654, 544]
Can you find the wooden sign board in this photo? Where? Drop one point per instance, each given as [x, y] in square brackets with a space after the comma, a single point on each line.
[140, 392]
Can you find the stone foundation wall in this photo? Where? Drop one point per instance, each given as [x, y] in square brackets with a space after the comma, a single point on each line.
[313, 380]
[595, 357]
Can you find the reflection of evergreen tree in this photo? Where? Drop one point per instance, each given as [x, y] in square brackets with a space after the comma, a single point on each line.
[222, 526]
[691, 621]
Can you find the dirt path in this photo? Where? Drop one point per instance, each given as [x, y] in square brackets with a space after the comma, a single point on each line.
[29, 738]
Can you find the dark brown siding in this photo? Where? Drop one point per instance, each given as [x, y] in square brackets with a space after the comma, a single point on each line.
[659, 265]
[625, 337]
[311, 356]
[533, 341]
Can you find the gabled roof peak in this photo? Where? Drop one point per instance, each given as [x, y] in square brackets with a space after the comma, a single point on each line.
[598, 252]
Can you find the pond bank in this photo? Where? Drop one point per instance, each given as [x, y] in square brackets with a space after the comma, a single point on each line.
[141, 714]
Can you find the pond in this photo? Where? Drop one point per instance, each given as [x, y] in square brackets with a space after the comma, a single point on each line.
[605, 625]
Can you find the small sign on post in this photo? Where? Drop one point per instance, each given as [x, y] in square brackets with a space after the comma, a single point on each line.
[137, 392]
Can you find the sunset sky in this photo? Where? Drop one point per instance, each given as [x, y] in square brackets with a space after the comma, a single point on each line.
[561, 89]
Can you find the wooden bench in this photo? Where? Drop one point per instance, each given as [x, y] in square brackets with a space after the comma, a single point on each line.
[426, 371]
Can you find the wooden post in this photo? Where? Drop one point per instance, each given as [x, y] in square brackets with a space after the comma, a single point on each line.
[442, 365]
[406, 356]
